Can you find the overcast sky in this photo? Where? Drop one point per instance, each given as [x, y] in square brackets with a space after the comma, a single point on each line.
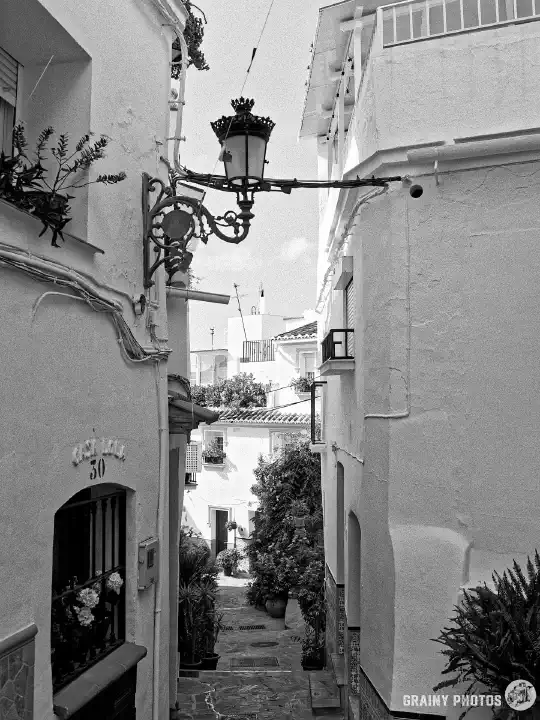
[280, 250]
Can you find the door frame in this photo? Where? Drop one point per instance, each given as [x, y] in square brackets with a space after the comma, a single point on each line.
[212, 521]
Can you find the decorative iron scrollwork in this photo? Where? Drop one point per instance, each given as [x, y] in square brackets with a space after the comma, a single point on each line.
[170, 221]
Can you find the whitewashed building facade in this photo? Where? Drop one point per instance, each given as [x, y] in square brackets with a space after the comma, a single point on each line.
[427, 305]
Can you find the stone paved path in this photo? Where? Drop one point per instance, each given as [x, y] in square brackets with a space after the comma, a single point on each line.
[271, 693]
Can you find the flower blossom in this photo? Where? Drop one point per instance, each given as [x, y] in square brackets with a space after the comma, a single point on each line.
[115, 582]
[88, 597]
[84, 615]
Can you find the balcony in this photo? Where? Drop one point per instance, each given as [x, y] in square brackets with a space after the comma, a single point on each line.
[419, 20]
[473, 49]
[337, 352]
[257, 351]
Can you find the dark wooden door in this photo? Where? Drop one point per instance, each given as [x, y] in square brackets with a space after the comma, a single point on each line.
[221, 531]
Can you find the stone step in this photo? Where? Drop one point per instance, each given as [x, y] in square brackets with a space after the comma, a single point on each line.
[324, 694]
[338, 668]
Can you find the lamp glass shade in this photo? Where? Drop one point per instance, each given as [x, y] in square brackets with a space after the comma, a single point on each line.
[243, 157]
[243, 138]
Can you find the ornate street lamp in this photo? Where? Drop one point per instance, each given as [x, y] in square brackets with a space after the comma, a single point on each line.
[171, 220]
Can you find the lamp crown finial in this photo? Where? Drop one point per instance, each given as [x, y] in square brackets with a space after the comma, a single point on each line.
[242, 105]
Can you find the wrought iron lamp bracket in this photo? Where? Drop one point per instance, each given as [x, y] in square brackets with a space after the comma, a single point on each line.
[170, 221]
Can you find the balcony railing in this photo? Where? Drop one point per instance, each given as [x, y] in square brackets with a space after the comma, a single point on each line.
[338, 345]
[421, 19]
[258, 351]
[316, 420]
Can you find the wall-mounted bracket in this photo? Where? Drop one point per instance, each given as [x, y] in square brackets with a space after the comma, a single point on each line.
[170, 221]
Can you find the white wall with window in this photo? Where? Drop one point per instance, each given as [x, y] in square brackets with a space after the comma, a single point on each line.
[9, 85]
[228, 487]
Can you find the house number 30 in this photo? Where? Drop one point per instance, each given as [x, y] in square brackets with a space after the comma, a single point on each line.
[98, 468]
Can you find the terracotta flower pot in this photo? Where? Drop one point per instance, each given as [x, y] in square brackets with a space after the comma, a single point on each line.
[276, 606]
[209, 662]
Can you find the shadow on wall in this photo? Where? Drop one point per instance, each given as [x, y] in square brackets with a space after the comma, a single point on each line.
[430, 567]
[187, 519]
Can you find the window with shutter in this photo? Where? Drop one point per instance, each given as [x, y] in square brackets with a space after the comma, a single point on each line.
[9, 69]
[350, 315]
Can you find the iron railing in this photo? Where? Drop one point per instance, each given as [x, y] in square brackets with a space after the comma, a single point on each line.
[336, 345]
[258, 351]
[316, 421]
[88, 599]
[421, 19]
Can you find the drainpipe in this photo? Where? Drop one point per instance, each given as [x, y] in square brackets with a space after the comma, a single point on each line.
[475, 148]
[163, 433]
[197, 295]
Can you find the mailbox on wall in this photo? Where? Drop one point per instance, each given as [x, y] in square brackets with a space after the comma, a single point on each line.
[148, 563]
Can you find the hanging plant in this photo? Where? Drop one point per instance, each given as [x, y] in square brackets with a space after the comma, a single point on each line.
[30, 186]
[193, 35]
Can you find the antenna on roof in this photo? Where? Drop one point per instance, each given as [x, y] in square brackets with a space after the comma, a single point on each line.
[240, 309]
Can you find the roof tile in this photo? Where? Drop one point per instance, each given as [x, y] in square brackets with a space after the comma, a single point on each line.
[269, 416]
[305, 331]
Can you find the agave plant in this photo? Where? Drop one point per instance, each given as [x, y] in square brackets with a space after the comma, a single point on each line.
[496, 638]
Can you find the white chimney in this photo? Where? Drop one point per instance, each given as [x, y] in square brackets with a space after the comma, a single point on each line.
[262, 302]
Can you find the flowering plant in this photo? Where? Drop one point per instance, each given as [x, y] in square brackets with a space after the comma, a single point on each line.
[114, 582]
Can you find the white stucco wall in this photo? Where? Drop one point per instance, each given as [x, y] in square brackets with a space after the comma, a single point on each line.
[230, 487]
[63, 382]
[462, 468]
[466, 84]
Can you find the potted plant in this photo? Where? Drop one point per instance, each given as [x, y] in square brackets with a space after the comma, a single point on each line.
[228, 560]
[190, 625]
[27, 184]
[496, 637]
[312, 650]
[213, 454]
[301, 384]
[231, 525]
[213, 626]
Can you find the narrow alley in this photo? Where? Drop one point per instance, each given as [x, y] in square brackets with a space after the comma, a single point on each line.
[259, 675]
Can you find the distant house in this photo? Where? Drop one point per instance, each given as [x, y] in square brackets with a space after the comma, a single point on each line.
[221, 491]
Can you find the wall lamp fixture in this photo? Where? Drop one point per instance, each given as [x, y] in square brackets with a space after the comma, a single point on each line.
[171, 220]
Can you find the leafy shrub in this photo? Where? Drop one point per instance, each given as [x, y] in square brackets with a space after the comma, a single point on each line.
[496, 638]
[240, 391]
[229, 559]
[289, 487]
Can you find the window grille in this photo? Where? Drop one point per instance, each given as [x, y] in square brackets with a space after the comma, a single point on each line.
[193, 458]
[88, 602]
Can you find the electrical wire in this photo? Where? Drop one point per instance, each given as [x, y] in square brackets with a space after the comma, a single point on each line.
[253, 54]
[45, 271]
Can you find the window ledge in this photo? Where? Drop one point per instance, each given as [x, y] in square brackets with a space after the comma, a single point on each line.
[213, 465]
[94, 680]
[336, 366]
[67, 235]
